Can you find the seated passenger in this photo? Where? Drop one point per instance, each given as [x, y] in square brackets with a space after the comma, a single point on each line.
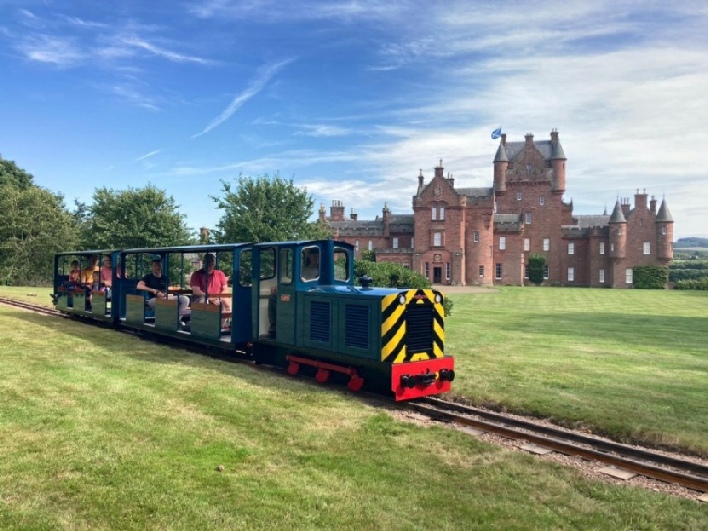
[87, 277]
[156, 286]
[107, 276]
[74, 274]
[209, 281]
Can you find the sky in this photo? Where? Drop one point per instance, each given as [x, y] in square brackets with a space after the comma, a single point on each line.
[352, 99]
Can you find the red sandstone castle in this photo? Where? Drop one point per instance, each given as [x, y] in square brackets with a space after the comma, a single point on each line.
[484, 236]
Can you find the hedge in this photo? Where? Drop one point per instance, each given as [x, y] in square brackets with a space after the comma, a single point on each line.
[650, 277]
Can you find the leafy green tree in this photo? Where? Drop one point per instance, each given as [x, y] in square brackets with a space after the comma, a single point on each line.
[11, 173]
[33, 227]
[536, 264]
[143, 217]
[266, 209]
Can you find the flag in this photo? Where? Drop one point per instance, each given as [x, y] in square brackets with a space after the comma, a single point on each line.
[496, 133]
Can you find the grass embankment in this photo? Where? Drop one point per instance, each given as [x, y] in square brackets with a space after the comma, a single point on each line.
[102, 430]
[629, 363]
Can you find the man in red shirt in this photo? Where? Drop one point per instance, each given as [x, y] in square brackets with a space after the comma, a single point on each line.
[210, 281]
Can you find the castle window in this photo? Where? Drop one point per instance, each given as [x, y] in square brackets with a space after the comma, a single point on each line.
[571, 248]
[427, 270]
[502, 243]
[546, 244]
[527, 244]
[441, 212]
[602, 247]
[412, 242]
[612, 247]
[475, 236]
[602, 276]
[663, 230]
[647, 247]
[434, 209]
[448, 271]
[629, 275]
[498, 272]
[519, 196]
[528, 218]
[481, 271]
[438, 211]
[526, 271]
[356, 245]
[406, 265]
[541, 200]
[395, 242]
[371, 245]
[437, 239]
[571, 274]
[545, 272]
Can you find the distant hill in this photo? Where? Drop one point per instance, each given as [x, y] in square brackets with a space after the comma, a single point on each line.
[691, 242]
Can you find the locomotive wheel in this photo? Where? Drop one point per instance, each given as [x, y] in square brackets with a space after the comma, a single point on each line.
[293, 368]
[322, 375]
[356, 383]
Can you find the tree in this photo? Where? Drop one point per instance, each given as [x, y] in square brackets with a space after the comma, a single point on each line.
[12, 174]
[537, 262]
[144, 217]
[266, 209]
[33, 227]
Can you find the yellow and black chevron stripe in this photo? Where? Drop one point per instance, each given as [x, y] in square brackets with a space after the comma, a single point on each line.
[397, 309]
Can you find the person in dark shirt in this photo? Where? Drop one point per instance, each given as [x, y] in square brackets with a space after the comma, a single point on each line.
[156, 286]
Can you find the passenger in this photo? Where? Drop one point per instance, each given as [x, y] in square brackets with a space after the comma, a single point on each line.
[210, 281]
[156, 286]
[272, 310]
[74, 274]
[310, 269]
[89, 278]
[107, 276]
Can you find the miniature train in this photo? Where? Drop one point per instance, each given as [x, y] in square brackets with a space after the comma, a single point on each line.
[288, 304]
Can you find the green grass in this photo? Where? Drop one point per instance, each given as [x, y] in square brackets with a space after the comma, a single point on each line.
[100, 430]
[629, 363]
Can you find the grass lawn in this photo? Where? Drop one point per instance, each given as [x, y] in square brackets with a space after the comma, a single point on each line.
[103, 430]
[629, 363]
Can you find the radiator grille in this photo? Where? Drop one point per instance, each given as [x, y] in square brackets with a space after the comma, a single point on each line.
[319, 321]
[419, 328]
[356, 326]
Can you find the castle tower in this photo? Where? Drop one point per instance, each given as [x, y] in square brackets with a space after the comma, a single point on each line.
[501, 164]
[557, 164]
[618, 233]
[664, 234]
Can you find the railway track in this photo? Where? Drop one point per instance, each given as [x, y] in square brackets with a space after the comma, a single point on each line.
[641, 461]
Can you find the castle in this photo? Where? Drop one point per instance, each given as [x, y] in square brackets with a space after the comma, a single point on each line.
[484, 236]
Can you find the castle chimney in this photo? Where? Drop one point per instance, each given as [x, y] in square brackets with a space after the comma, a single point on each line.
[503, 139]
[640, 200]
[652, 205]
[451, 179]
[336, 211]
[353, 215]
[529, 139]
[439, 170]
[322, 213]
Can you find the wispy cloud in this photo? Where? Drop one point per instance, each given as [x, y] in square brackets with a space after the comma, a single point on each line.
[49, 49]
[147, 155]
[257, 84]
[161, 52]
[135, 97]
[324, 130]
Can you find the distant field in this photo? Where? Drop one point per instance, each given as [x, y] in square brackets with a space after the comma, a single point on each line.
[101, 430]
[629, 363]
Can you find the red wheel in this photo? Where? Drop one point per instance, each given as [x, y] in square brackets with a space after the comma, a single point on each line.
[356, 383]
[293, 368]
[322, 375]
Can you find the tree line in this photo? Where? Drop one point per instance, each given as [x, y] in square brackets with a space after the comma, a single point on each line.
[36, 223]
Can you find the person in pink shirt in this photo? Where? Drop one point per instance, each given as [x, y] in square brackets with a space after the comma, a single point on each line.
[106, 276]
[211, 281]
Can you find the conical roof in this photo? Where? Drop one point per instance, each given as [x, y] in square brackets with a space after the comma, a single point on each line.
[664, 214]
[617, 215]
[501, 154]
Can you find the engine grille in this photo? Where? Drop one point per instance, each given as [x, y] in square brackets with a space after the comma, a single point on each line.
[356, 326]
[419, 328]
[320, 321]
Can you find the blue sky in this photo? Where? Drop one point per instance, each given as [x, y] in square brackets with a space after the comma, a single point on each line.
[353, 98]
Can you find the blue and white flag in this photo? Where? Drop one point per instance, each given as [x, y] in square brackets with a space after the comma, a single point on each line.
[496, 133]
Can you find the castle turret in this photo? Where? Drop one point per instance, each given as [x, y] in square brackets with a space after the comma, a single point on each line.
[421, 181]
[557, 164]
[501, 163]
[664, 233]
[618, 233]
[386, 212]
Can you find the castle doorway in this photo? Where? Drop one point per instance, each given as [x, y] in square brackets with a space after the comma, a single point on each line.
[437, 275]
